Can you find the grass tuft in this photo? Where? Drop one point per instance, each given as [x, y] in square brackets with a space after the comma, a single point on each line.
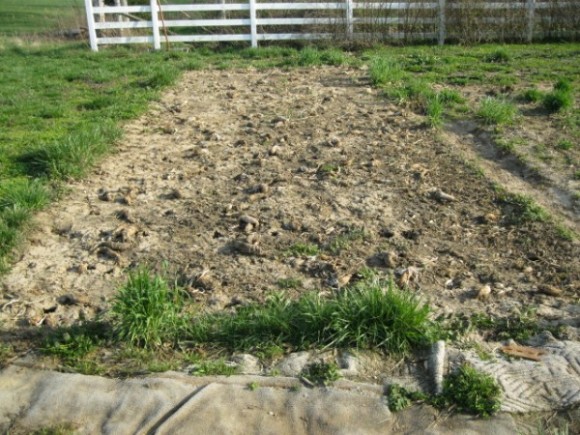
[496, 111]
[500, 55]
[434, 111]
[557, 100]
[384, 70]
[532, 95]
[146, 310]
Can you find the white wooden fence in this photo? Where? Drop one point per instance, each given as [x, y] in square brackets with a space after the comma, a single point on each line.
[341, 16]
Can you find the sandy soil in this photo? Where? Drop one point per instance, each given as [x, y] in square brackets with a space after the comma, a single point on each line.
[230, 169]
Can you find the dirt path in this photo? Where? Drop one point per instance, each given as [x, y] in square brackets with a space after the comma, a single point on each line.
[231, 170]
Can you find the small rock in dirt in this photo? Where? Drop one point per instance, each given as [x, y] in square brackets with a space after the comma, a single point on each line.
[387, 233]
[260, 188]
[63, 227]
[411, 234]
[168, 129]
[348, 364]
[247, 364]
[294, 363]
[67, 299]
[406, 276]
[390, 259]
[441, 196]
[104, 195]
[246, 248]
[275, 150]
[218, 301]
[82, 268]
[248, 221]
[488, 218]
[108, 254]
[125, 215]
[549, 290]
[484, 292]
[204, 281]
[50, 308]
[174, 194]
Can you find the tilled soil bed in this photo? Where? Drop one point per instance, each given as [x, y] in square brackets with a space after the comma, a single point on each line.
[245, 182]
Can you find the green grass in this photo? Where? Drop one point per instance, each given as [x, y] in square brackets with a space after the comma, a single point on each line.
[372, 315]
[217, 367]
[521, 209]
[565, 145]
[472, 392]
[496, 111]
[25, 17]
[501, 55]
[385, 70]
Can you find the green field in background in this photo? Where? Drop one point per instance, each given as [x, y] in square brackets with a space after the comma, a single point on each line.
[19, 17]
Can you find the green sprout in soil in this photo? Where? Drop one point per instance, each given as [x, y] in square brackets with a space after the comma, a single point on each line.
[307, 249]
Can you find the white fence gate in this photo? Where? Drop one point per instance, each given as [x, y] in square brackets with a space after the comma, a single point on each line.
[341, 17]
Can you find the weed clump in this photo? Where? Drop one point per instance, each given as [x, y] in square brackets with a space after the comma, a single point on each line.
[399, 398]
[321, 373]
[472, 392]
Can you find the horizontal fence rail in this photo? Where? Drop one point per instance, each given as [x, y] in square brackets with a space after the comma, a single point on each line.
[349, 19]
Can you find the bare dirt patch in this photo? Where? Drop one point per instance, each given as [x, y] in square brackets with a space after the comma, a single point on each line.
[249, 181]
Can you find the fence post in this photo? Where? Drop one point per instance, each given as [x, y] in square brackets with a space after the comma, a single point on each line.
[349, 19]
[91, 25]
[155, 22]
[531, 7]
[253, 25]
[441, 24]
